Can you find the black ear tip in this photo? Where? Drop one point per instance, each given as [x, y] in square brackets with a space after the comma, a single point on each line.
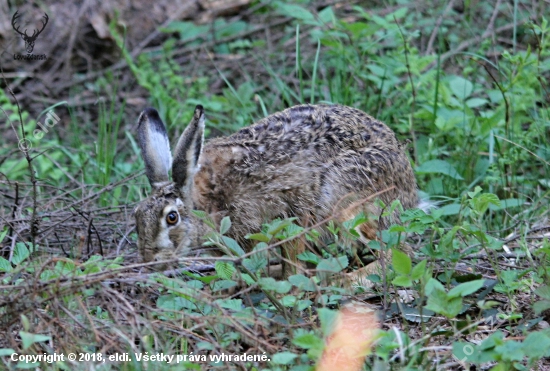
[199, 109]
[150, 113]
[150, 117]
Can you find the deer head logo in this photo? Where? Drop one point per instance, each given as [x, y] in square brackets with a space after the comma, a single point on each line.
[29, 40]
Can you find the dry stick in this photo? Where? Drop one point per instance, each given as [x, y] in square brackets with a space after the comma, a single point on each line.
[525, 149]
[539, 58]
[491, 26]
[413, 135]
[9, 223]
[100, 192]
[507, 113]
[45, 232]
[11, 229]
[431, 41]
[91, 228]
[77, 320]
[72, 205]
[23, 143]
[123, 240]
[502, 91]
[87, 314]
[59, 166]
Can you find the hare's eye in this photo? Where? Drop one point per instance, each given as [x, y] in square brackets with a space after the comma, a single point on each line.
[172, 218]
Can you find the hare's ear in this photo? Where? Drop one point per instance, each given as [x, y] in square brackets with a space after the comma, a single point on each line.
[155, 147]
[188, 151]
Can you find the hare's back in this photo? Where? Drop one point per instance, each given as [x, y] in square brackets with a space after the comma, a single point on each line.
[313, 130]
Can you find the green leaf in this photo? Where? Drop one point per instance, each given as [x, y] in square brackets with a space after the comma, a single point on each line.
[432, 285]
[538, 345]
[333, 264]
[328, 319]
[247, 279]
[309, 257]
[255, 263]
[5, 265]
[464, 352]
[294, 11]
[270, 284]
[6, 352]
[541, 306]
[204, 217]
[303, 304]
[3, 234]
[200, 214]
[283, 358]
[403, 281]
[233, 246]
[460, 87]
[507, 203]
[187, 30]
[401, 262]
[419, 270]
[465, 288]
[511, 351]
[225, 224]
[25, 322]
[259, 237]
[356, 221]
[29, 339]
[438, 167]
[232, 304]
[224, 270]
[440, 303]
[175, 303]
[413, 314]
[289, 301]
[543, 292]
[20, 253]
[292, 230]
[222, 285]
[302, 282]
[326, 15]
[481, 202]
[476, 102]
[278, 225]
[308, 341]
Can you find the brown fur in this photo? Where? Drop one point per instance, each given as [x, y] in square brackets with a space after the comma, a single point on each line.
[308, 162]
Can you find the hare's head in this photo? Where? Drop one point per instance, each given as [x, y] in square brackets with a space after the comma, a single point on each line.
[164, 222]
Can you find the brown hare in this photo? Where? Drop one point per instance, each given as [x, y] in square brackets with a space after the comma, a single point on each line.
[308, 162]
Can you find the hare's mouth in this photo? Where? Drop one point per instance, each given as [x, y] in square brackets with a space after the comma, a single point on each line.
[160, 262]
